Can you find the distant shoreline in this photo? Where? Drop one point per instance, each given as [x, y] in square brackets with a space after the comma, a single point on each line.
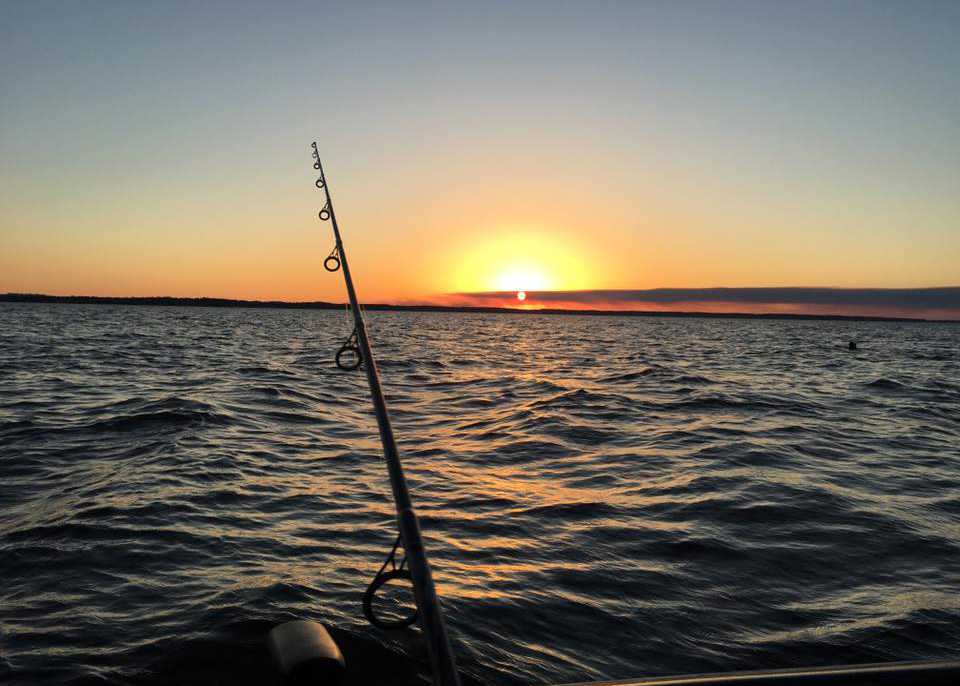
[166, 301]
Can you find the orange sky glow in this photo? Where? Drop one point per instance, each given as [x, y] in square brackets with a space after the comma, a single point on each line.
[663, 155]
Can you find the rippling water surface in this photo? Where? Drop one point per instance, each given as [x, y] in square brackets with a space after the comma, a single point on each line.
[603, 497]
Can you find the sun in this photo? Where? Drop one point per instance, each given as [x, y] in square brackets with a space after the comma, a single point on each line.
[509, 260]
[521, 296]
[521, 277]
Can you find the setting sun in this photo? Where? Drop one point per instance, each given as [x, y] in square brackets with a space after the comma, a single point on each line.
[520, 280]
[521, 296]
[520, 261]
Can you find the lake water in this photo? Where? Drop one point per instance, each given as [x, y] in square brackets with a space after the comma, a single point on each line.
[602, 497]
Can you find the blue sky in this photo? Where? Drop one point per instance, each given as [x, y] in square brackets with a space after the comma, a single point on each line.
[158, 147]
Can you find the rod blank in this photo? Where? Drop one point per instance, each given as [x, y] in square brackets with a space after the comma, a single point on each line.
[442, 661]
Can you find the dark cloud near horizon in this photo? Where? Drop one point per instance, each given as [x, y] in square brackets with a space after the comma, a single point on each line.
[946, 298]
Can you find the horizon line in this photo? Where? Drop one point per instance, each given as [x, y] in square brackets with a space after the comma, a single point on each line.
[931, 302]
[206, 301]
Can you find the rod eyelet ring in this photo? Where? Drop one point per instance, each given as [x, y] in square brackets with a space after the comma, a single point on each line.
[316, 165]
[381, 580]
[349, 366]
[332, 263]
[320, 183]
[324, 215]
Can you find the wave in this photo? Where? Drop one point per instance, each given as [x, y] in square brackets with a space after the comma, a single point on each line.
[170, 492]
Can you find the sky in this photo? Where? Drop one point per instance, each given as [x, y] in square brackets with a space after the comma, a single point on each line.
[164, 148]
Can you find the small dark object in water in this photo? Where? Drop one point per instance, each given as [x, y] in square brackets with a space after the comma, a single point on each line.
[853, 345]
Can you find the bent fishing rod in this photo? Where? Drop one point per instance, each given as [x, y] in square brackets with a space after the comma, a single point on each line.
[414, 565]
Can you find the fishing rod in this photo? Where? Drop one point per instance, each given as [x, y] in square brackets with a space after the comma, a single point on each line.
[414, 565]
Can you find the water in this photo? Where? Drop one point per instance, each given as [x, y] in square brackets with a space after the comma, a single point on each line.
[602, 497]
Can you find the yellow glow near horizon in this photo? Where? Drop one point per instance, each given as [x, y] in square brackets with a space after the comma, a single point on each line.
[523, 279]
[511, 260]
